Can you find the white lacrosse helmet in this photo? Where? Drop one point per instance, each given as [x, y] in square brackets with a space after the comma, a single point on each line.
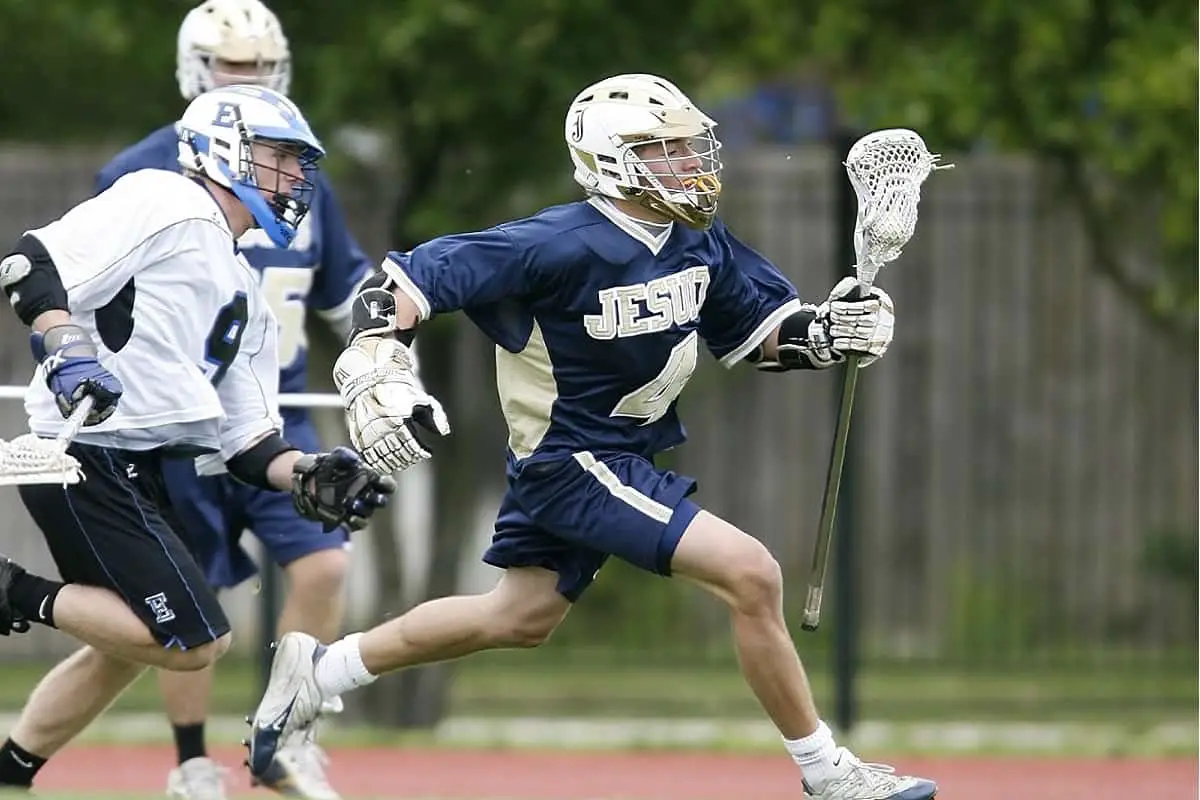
[241, 32]
[637, 137]
[216, 137]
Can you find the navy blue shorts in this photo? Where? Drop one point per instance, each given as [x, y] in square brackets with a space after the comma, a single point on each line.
[570, 515]
[216, 510]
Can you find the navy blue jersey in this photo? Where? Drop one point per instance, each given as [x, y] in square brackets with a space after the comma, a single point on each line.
[318, 272]
[597, 324]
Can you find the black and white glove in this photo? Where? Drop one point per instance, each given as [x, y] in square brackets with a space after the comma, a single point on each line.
[384, 399]
[859, 323]
[338, 488]
[854, 320]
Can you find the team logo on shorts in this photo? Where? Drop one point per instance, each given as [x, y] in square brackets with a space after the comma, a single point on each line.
[162, 611]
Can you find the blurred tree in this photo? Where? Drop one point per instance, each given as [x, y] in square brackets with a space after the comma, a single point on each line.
[1104, 92]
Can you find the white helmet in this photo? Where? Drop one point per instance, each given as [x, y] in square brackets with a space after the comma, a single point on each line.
[233, 31]
[621, 133]
[216, 134]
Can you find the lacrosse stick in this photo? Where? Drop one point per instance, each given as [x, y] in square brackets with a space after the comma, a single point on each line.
[886, 169]
[31, 459]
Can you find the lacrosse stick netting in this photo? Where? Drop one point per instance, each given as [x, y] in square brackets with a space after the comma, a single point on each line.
[886, 169]
[30, 459]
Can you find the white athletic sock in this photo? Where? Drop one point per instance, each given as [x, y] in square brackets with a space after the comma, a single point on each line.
[815, 754]
[341, 668]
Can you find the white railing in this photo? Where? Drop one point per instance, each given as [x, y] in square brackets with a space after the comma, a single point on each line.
[299, 400]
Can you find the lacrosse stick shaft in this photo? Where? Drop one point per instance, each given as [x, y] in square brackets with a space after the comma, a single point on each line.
[886, 169]
[833, 484]
[74, 422]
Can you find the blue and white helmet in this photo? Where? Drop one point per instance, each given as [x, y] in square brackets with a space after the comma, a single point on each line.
[216, 137]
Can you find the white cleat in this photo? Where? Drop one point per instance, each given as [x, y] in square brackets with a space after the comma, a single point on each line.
[197, 779]
[852, 779]
[290, 704]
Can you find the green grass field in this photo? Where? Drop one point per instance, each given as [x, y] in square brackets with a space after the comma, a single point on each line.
[515, 684]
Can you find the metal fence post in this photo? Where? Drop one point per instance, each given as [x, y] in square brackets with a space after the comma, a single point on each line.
[846, 629]
[268, 619]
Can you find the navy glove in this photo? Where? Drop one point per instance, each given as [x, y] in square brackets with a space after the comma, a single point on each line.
[338, 488]
[73, 371]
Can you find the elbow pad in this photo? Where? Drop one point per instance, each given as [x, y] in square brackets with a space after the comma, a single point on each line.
[250, 466]
[31, 281]
[804, 342]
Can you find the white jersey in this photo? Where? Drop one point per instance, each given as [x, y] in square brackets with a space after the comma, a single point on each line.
[151, 272]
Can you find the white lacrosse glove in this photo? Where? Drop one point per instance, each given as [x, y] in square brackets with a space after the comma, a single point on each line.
[384, 400]
[858, 322]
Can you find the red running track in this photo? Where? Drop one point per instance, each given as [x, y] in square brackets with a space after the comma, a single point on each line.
[524, 775]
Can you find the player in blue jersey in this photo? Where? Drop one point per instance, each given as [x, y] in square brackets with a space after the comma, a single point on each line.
[241, 41]
[598, 309]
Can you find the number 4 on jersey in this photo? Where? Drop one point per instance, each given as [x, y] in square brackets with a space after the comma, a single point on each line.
[651, 402]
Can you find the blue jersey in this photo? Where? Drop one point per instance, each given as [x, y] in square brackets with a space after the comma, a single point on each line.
[597, 323]
[319, 272]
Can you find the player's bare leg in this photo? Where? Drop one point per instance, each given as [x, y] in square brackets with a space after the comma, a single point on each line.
[315, 600]
[186, 697]
[738, 569]
[82, 686]
[72, 694]
[741, 571]
[97, 617]
[522, 610]
[100, 618]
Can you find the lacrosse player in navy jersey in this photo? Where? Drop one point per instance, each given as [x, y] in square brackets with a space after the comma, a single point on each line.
[598, 309]
[241, 41]
[139, 300]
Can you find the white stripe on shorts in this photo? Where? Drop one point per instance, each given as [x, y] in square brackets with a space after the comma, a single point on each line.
[626, 494]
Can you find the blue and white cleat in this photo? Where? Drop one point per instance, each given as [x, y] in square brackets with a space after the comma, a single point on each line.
[298, 769]
[854, 780]
[291, 703]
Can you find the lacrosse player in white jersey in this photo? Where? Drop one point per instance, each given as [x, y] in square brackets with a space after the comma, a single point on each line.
[222, 42]
[139, 300]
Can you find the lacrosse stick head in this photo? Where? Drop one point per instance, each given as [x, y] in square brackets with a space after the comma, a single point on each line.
[886, 169]
[30, 459]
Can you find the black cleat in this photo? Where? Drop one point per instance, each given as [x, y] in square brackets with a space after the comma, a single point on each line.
[10, 620]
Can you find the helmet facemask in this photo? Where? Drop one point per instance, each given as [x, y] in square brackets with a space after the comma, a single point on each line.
[218, 72]
[262, 185]
[677, 177]
[290, 206]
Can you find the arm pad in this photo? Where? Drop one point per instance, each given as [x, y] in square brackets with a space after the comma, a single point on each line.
[31, 282]
[803, 343]
[250, 465]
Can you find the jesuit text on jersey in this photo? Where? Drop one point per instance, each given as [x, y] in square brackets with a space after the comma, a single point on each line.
[669, 301]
